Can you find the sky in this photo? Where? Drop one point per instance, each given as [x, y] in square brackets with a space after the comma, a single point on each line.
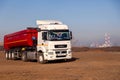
[89, 20]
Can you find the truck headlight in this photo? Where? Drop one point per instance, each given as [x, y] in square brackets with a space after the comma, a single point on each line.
[69, 52]
[50, 53]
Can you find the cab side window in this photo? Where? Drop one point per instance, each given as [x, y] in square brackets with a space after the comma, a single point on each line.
[44, 35]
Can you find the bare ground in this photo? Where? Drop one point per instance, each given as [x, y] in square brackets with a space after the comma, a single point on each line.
[90, 65]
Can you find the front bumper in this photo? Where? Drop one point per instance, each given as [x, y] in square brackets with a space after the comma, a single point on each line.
[58, 55]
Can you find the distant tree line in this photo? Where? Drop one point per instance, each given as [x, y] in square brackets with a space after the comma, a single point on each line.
[82, 49]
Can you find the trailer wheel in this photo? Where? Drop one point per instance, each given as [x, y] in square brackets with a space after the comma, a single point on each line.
[40, 58]
[24, 56]
[10, 56]
[7, 55]
[13, 56]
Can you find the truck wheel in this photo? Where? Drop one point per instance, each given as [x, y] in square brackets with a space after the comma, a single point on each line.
[10, 55]
[24, 56]
[40, 58]
[7, 55]
[13, 56]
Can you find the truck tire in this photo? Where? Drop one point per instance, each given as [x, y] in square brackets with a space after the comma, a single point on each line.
[13, 56]
[7, 55]
[10, 56]
[40, 58]
[24, 56]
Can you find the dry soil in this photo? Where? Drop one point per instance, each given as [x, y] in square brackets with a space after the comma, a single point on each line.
[90, 65]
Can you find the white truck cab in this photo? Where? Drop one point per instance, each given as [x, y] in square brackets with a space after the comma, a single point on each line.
[54, 41]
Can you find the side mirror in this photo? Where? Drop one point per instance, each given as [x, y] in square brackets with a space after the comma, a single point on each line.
[44, 35]
[70, 34]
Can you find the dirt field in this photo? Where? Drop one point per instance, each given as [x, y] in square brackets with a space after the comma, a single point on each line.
[90, 65]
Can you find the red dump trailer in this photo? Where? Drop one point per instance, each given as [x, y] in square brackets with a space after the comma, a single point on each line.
[23, 38]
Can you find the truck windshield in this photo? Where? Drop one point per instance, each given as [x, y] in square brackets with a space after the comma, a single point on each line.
[59, 35]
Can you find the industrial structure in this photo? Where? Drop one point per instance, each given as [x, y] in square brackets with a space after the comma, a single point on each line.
[107, 42]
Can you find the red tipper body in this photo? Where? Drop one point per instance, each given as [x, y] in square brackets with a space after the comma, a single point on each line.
[22, 38]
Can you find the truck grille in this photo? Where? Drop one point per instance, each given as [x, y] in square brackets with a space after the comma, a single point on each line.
[60, 46]
[61, 56]
[61, 53]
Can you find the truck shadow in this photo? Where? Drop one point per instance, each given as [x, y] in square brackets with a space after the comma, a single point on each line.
[62, 61]
[58, 61]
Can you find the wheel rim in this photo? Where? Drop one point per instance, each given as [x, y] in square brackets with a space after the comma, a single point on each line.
[23, 57]
[7, 55]
[40, 58]
[13, 55]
